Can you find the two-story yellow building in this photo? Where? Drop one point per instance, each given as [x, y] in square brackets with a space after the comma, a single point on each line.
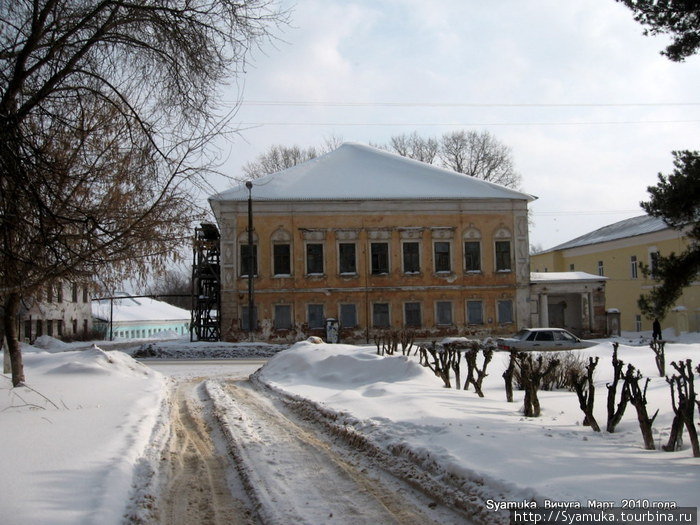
[616, 252]
[376, 241]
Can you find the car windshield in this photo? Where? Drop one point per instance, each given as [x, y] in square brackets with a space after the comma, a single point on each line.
[521, 335]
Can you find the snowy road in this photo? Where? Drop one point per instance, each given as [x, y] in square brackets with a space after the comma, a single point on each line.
[236, 455]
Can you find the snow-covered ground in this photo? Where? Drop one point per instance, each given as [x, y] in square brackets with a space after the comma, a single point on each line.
[76, 443]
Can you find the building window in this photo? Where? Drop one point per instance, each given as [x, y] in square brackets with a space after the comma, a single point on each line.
[28, 330]
[85, 326]
[380, 315]
[348, 315]
[59, 292]
[59, 328]
[472, 256]
[39, 328]
[347, 258]
[601, 270]
[503, 256]
[245, 318]
[283, 317]
[571, 267]
[412, 315]
[411, 257]
[49, 328]
[282, 259]
[49, 293]
[315, 315]
[443, 313]
[314, 259]
[443, 261]
[246, 264]
[74, 322]
[85, 294]
[653, 263]
[74, 293]
[634, 269]
[379, 252]
[505, 312]
[638, 322]
[475, 312]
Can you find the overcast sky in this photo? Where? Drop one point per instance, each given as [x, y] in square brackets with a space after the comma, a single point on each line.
[587, 104]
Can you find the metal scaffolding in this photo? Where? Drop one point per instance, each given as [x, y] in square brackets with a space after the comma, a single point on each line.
[206, 284]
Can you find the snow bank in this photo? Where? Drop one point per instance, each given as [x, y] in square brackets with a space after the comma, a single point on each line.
[72, 437]
[395, 402]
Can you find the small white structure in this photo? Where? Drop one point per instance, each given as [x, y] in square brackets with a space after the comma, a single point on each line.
[139, 318]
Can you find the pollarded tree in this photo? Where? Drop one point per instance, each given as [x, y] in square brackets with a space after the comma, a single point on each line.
[105, 109]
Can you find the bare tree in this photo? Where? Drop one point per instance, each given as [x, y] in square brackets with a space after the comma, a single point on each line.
[173, 286]
[474, 153]
[480, 155]
[105, 109]
[279, 157]
[415, 147]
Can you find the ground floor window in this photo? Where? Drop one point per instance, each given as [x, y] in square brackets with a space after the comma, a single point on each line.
[412, 315]
[475, 312]
[380, 315]
[283, 317]
[315, 315]
[443, 313]
[638, 322]
[348, 315]
[49, 328]
[505, 312]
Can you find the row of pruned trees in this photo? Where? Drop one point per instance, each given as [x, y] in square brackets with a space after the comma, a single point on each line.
[534, 372]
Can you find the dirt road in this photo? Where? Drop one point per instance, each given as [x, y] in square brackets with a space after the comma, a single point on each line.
[236, 456]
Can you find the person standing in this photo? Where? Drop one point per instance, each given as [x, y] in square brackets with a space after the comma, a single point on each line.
[656, 330]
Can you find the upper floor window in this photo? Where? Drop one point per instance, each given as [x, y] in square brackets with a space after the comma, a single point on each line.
[601, 268]
[411, 257]
[249, 260]
[281, 259]
[503, 263]
[634, 269]
[314, 259]
[653, 263]
[74, 293]
[443, 259]
[347, 258]
[379, 252]
[472, 256]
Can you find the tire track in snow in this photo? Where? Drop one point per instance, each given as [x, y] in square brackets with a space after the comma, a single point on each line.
[294, 477]
[196, 489]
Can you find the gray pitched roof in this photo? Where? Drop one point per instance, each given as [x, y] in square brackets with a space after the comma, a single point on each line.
[359, 172]
[619, 230]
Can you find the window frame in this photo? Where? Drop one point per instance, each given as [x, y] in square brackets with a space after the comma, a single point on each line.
[243, 260]
[280, 257]
[418, 311]
[340, 315]
[307, 258]
[374, 315]
[322, 308]
[499, 254]
[372, 257]
[634, 267]
[438, 320]
[348, 271]
[511, 312]
[441, 257]
[290, 323]
[481, 311]
[467, 259]
[417, 257]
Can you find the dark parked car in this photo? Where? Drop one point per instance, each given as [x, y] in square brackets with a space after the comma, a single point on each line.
[542, 339]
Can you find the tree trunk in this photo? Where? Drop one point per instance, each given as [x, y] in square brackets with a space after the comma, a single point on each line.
[10, 325]
[675, 439]
[508, 377]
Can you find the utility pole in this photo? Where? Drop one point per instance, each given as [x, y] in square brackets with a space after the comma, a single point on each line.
[251, 303]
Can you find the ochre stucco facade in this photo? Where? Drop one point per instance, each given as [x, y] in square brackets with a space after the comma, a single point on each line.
[433, 301]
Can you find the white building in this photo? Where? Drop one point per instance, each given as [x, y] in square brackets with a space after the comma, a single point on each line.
[139, 318]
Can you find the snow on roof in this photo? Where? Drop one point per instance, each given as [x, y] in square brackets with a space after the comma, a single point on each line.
[139, 309]
[564, 277]
[357, 171]
[619, 230]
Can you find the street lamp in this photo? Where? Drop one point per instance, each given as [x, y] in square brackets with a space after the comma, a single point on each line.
[251, 303]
